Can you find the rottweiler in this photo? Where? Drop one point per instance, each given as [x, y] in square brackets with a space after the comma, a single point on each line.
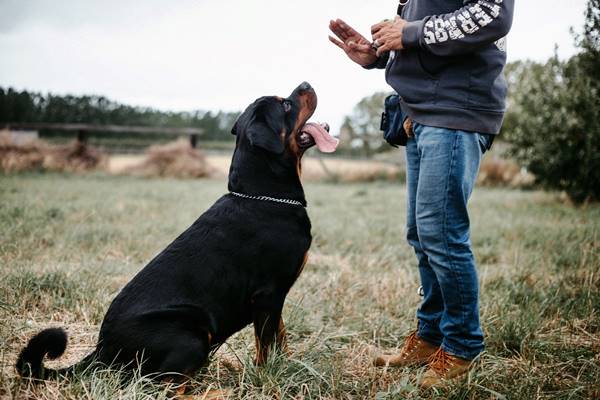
[232, 267]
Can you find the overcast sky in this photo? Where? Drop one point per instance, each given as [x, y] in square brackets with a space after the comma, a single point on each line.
[208, 54]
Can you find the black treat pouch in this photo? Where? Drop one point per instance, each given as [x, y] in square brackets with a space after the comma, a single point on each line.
[485, 142]
[392, 121]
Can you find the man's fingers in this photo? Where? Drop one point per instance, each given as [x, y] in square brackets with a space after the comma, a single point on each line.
[384, 34]
[384, 48]
[338, 29]
[363, 48]
[384, 31]
[342, 24]
[389, 43]
[384, 41]
[346, 33]
[339, 36]
[380, 25]
[377, 27]
[339, 44]
[347, 29]
[339, 32]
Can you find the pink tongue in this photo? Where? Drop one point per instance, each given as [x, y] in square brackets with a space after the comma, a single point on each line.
[325, 142]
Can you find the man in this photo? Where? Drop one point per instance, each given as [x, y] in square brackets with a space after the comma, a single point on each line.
[445, 59]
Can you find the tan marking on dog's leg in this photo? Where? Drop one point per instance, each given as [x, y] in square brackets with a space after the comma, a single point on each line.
[304, 261]
[282, 337]
[261, 351]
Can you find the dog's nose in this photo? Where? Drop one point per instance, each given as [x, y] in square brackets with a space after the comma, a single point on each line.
[305, 90]
[304, 86]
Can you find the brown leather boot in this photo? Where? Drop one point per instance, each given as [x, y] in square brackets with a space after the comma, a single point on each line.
[443, 368]
[415, 351]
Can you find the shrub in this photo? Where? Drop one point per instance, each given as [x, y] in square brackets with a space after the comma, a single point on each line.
[554, 116]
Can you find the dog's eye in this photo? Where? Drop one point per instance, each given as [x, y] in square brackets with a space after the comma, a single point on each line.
[287, 105]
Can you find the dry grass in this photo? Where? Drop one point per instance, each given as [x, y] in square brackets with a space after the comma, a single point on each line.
[495, 170]
[37, 155]
[344, 170]
[313, 169]
[174, 160]
[67, 245]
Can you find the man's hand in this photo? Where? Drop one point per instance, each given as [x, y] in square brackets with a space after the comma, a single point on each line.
[355, 45]
[387, 35]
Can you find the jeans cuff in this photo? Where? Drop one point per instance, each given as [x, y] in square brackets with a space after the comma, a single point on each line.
[431, 336]
[465, 355]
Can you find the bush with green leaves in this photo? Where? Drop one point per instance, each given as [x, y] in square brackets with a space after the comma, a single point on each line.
[553, 120]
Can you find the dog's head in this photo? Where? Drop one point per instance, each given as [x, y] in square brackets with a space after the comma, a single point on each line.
[279, 126]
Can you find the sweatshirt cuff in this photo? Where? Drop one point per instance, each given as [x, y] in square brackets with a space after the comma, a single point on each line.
[373, 65]
[411, 34]
[380, 63]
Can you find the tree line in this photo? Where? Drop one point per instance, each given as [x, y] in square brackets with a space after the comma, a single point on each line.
[25, 106]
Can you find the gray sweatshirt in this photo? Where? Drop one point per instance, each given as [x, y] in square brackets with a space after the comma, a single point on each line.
[449, 73]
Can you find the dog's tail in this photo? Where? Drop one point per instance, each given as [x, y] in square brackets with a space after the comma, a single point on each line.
[52, 343]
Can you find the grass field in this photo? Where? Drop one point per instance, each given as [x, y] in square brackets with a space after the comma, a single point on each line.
[69, 243]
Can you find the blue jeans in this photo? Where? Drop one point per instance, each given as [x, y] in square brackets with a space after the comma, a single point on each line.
[442, 165]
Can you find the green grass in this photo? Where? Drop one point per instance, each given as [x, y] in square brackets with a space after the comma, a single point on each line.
[69, 243]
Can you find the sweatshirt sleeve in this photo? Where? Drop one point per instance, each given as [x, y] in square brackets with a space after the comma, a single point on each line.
[380, 63]
[476, 24]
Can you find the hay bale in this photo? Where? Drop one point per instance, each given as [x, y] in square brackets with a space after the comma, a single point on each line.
[38, 155]
[26, 156]
[74, 157]
[176, 160]
[500, 172]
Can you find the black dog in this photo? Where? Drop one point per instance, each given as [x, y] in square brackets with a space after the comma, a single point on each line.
[234, 266]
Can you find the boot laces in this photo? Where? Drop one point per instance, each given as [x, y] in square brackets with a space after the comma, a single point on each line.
[410, 344]
[440, 362]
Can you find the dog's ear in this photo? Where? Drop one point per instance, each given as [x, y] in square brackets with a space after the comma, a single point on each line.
[262, 135]
[266, 128]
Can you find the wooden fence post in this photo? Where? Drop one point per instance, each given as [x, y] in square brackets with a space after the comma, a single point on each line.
[81, 137]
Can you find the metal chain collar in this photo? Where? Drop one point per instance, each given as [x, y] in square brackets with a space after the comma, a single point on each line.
[267, 198]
